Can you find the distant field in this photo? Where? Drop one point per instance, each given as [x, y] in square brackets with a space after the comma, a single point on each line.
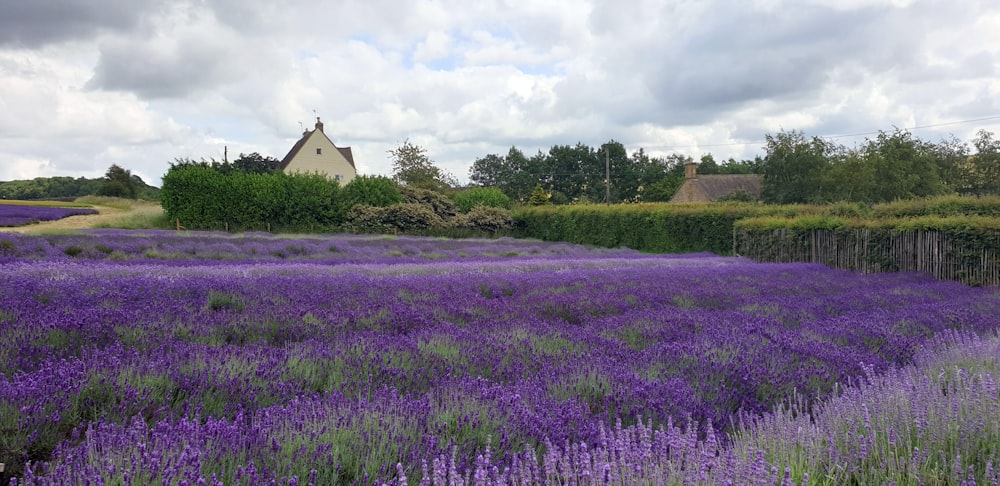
[100, 212]
[59, 204]
[20, 213]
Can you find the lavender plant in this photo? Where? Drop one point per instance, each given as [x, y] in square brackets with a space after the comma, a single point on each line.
[209, 357]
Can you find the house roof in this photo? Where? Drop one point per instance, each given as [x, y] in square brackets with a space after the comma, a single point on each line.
[715, 186]
[345, 151]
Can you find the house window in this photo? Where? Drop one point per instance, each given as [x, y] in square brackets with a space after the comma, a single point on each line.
[338, 177]
[319, 151]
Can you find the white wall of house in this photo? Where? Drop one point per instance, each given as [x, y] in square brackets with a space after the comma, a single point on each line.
[318, 154]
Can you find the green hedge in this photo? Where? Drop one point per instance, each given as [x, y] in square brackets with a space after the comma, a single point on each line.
[684, 228]
[963, 248]
[201, 197]
[979, 231]
[939, 206]
[658, 228]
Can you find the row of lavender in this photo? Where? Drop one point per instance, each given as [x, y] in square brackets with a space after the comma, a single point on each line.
[163, 246]
[20, 215]
[335, 371]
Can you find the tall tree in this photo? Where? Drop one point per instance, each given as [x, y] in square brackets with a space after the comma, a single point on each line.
[491, 171]
[573, 169]
[852, 178]
[256, 163]
[951, 156]
[903, 166]
[663, 177]
[707, 165]
[118, 182]
[983, 169]
[793, 167]
[412, 167]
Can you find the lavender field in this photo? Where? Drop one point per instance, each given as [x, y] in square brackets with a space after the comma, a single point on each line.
[20, 215]
[151, 357]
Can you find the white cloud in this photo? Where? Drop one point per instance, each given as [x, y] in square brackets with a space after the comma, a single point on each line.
[184, 79]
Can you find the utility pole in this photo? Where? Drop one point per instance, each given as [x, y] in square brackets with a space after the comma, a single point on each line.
[607, 177]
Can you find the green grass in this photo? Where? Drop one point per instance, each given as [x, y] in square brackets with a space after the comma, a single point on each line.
[218, 301]
[139, 220]
[111, 202]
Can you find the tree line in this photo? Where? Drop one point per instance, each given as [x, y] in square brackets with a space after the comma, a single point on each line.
[795, 169]
[117, 182]
[577, 173]
[891, 166]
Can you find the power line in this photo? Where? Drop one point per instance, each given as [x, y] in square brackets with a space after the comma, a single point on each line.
[831, 137]
[922, 126]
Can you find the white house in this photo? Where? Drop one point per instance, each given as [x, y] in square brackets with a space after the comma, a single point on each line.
[315, 152]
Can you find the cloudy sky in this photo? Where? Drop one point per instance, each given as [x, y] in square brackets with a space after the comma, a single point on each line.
[88, 83]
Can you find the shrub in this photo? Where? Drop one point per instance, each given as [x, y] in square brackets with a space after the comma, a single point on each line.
[539, 196]
[378, 191]
[482, 196]
[409, 216]
[362, 218]
[485, 218]
[435, 201]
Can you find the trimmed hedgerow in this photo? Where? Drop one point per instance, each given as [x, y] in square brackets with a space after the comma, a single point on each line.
[198, 196]
[661, 228]
[960, 248]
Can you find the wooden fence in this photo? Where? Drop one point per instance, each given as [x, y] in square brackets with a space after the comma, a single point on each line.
[874, 251]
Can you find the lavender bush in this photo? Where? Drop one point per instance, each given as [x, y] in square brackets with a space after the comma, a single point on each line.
[162, 357]
[20, 215]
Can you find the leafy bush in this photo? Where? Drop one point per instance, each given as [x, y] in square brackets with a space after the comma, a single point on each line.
[362, 218]
[485, 218]
[539, 196]
[378, 191]
[409, 216]
[482, 196]
[440, 204]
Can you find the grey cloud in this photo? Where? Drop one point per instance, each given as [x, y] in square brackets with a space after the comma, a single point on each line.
[732, 54]
[34, 23]
[156, 74]
[751, 56]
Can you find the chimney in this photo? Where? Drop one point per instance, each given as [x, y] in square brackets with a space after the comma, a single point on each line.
[319, 124]
[690, 170]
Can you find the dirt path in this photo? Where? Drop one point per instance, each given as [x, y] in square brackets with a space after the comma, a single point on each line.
[106, 214]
